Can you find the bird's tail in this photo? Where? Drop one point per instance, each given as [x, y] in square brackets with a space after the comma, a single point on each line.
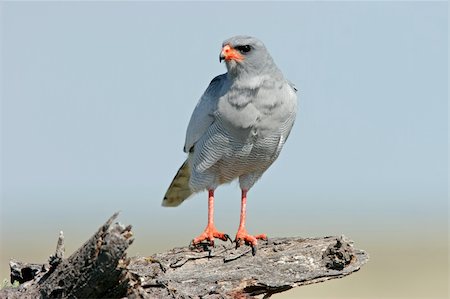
[179, 189]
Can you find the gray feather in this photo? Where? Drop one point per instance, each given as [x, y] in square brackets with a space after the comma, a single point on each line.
[203, 115]
[241, 122]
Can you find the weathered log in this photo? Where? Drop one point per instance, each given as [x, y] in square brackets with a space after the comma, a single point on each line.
[226, 272]
[100, 268]
[95, 270]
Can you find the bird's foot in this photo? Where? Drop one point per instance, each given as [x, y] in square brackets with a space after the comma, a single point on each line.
[209, 235]
[243, 237]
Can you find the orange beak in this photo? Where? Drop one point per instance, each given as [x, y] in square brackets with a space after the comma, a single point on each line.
[228, 53]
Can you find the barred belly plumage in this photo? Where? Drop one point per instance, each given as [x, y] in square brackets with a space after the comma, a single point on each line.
[244, 157]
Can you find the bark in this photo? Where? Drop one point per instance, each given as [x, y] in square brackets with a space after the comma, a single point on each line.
[100, 268]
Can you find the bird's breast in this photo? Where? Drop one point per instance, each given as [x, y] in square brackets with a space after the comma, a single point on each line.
[237, 115]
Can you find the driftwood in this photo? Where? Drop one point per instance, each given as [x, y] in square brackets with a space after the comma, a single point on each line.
[100, 268]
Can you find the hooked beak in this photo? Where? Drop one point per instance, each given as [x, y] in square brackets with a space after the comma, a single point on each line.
[228, 53]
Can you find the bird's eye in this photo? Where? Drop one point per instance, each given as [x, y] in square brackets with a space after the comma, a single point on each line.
[244, 49]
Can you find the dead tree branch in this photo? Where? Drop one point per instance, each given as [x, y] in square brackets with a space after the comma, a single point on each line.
[100, 269]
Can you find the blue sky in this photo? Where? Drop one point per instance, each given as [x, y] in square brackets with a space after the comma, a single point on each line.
[96, 98]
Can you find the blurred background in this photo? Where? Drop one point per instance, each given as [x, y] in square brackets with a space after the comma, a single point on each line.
[96, 97]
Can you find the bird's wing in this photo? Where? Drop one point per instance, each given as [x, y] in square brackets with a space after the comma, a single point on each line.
[203, 115]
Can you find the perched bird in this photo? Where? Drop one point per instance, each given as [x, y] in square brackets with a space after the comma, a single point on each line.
[237, 130]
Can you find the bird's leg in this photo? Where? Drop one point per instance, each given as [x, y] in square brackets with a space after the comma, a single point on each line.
[210, 231]
[242, 235]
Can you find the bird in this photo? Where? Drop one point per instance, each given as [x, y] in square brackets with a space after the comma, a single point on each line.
[236, 131]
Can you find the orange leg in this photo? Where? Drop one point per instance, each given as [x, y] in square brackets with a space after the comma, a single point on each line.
[210, 231]
[242, 235]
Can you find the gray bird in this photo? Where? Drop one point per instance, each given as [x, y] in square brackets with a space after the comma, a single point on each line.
[237, 130]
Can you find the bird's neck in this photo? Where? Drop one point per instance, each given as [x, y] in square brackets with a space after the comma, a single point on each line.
[253, 80]
[252, 74]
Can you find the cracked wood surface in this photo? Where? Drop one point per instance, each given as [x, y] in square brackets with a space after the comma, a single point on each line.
[100, 268]
[95, 270]
[226, 272]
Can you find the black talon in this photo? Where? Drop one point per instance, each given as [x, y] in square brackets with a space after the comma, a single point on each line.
[227, 238]
[192, 245]
[203, 245]
[254, 248]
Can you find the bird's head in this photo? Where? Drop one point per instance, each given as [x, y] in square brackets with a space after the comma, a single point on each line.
[245, 54]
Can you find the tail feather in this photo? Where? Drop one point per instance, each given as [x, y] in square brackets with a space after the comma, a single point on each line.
[179, 189]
